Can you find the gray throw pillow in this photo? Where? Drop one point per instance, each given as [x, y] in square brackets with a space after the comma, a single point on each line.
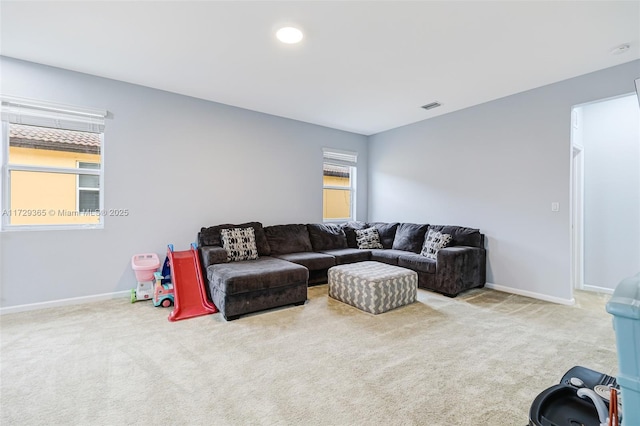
[240, 243]
[387, 232]
[368, 238]
[435, 241]
[349, 229]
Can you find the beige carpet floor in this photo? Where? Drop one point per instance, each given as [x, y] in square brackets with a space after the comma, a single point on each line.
[479, 359]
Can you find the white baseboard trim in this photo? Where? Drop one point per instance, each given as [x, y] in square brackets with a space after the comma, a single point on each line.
[597, 289]
[127, 293]
[64, 302]
[531, 294]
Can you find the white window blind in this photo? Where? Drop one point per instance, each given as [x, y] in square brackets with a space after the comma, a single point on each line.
[338, 157]
[48, 114]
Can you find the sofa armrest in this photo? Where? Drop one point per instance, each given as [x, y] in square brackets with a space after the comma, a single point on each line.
[460, 268]
[211, 255]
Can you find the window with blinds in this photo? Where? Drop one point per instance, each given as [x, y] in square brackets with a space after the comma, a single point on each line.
[52, 165]
[339, 185]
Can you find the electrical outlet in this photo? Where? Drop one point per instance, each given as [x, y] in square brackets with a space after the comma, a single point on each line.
[555, 206]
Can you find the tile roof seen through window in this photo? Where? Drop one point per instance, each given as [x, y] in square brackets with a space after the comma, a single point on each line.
[46, 134]
[336, 171]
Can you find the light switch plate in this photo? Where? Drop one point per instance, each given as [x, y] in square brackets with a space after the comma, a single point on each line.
[555, 206]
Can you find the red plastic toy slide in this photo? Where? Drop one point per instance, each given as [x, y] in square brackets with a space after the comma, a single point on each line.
[189, 291]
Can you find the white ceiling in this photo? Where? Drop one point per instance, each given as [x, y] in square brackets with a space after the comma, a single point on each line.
[364, 66]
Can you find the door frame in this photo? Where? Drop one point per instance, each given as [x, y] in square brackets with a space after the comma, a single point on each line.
[577, 216]
[576, 188]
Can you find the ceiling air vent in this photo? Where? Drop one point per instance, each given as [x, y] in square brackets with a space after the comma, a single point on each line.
[432, 105]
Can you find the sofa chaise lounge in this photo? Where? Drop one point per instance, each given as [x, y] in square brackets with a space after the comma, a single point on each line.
[289, 257]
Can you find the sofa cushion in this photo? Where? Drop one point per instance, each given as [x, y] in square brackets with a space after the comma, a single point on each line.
[461, 236]
[288, 238]
[326, 236]
[349, 229]
[434, 242]
[309, 259]
[410, 237]
[388, 256]
[212, 254]
[240, 243]
[417, 263]
[234, 305]
[211, 236]
[349, 255]
[387, 232]
[368, 238]
[252, 275]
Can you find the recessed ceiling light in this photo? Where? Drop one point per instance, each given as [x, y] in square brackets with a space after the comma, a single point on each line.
[289, 35]
[620, 49]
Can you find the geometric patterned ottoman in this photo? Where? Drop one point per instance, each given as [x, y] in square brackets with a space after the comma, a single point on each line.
[373, 286]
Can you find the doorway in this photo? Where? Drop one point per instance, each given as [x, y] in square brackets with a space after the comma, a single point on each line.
[605, 193]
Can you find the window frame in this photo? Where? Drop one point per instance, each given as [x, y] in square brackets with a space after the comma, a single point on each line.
[339, 158]
[62, 117]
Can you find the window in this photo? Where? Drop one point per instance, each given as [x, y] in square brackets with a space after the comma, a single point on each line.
[88, 195]
[339, 185]
[51, 165]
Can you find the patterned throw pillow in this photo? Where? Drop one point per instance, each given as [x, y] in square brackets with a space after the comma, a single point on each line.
[435, 241]
[240, 243]
[368, 238]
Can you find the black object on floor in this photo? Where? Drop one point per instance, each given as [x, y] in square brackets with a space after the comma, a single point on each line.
[560, 405]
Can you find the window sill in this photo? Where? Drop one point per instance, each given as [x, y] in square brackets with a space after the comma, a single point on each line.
[29, 228]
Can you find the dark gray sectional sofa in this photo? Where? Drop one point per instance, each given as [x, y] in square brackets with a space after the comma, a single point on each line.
[290, 257]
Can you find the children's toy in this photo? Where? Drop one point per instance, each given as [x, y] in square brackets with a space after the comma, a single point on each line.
[144, 266]
[166, 271]
[189, 292]
[163, 293]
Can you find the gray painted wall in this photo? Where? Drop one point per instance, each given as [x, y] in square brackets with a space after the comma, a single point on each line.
[498, 167]
[177, 163]
[611, 141]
